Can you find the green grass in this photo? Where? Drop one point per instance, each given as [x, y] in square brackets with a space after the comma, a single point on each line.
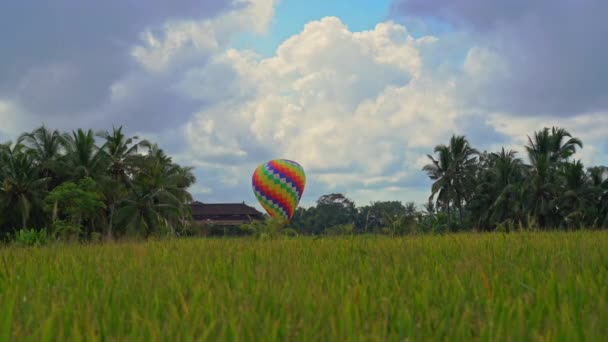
[526, 286]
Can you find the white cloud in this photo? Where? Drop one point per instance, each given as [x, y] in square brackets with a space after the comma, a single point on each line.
[14, 121]
[354, 108]
[359, 110]
[483, 64]
[591, 128]
[212, 135]
[185, 41]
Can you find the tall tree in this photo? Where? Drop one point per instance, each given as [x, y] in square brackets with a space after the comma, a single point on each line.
[158, 196]
[46, 146]
[464, 162]
[453, 174]
[23, 188]
[120, 153]
[508, 172]
[576, 195]
[370, 217]
[547, 151]
[332, 210]
[83, 157]
[441, 172]
[597, 179]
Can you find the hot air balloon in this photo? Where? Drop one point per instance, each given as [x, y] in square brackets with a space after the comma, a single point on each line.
[278, 185]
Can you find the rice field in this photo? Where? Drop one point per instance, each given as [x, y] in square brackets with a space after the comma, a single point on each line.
[523, 286]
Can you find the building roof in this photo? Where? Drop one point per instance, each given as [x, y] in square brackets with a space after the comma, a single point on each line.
[200, 209]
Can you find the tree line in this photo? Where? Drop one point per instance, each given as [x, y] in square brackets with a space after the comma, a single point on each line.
[473, 190]
[82, 184]
[552, 189]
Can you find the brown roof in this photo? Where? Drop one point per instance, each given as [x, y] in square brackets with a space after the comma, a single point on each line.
[199, 208]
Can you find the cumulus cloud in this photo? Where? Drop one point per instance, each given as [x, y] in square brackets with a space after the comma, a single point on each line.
[175, 79]
[75, 63]
[356, 109]
[359, 110]
[553, 51]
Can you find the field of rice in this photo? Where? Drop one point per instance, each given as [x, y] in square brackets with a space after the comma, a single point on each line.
[522, 286]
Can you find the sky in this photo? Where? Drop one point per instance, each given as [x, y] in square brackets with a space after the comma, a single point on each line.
[358, 92]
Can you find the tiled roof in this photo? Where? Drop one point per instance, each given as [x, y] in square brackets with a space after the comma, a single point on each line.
[199, 209]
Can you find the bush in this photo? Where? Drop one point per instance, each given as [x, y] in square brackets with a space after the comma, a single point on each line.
[342, 229]
[269, 228]
[506, 226]
[31, 237]
[66, 231]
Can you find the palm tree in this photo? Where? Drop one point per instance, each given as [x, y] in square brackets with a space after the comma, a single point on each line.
[562, 150]
[453, 173]
[158, 196]
[149, 183]
[551, 144]
[146, 209]
[596, 176]
[441, 172]
[464, 163]
[577, 195]
[597, 180]
[496, 198]
[547, 151]
[541, 188]
[119, 152]
[46, 146]
[83, 157]
[508, 172]
[22, 188]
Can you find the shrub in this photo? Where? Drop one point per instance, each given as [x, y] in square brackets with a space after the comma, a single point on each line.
[31, 237]
[341, 229]
[65, 230]
[269, 228]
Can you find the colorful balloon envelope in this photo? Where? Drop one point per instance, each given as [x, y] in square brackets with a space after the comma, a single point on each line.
[278, 185]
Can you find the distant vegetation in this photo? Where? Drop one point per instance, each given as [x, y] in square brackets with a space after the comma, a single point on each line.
[489, 190]
[475, 190]
[73, 186]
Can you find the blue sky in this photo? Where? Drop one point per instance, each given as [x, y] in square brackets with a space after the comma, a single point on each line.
[291, 16]
[358, 15]
[359, 94]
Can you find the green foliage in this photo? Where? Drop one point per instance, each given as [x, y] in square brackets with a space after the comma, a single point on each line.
[506, 227]
[456, 287]
[22, 187]
[31, 237]
[342, 229]
[334, 212]
[499, 191]
[66, 231]
[452, 174]
[267, 229]
[135, 189]
[370, 217]
[158, 195]
[77, 202]
[68, 182]
[331, 210]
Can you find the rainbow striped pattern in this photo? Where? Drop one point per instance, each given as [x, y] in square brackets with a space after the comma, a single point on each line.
[278, 185]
